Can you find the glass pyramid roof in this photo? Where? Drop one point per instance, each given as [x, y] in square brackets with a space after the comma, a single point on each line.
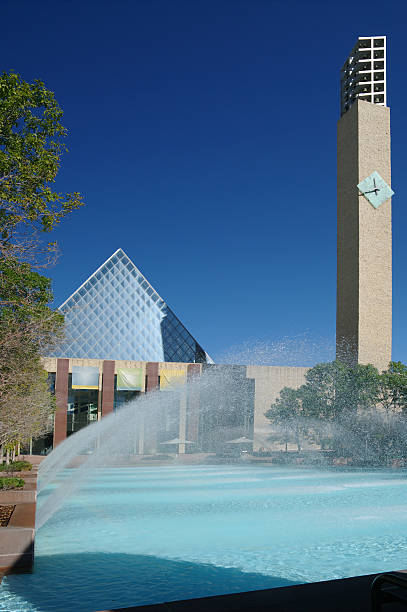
[116, 314]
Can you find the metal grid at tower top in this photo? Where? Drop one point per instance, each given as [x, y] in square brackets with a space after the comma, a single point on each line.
[363, 75]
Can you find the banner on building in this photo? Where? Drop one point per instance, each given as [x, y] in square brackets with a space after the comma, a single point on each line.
[85, 377]
[130, 379]
[170, 379]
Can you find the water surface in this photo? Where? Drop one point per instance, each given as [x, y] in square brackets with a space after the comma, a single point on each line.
[133, 536]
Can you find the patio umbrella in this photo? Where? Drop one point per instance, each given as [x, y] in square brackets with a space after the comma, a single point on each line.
[176, 441]
[242, 440]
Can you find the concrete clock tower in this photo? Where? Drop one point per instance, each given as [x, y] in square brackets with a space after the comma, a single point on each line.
[364, 276]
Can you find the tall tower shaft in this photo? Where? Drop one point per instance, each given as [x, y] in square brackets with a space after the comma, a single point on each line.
[364, 276]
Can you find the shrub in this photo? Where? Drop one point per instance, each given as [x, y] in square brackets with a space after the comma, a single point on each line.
[11, 483]
[20, 466]
[16, 466]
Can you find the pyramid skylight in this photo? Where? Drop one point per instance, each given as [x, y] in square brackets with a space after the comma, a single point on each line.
[116, 314]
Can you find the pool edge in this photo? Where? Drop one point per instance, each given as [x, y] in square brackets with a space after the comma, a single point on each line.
[350, 594]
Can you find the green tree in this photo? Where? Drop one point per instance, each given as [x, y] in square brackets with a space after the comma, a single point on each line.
[393, 388]
[334, 390]
[24, 306]
[335, 396]
[32, 141]
[287, 414]
[327, 408]
[28, 327]
[353, 410]
[31, 145]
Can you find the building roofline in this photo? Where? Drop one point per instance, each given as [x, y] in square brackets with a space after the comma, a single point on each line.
[100, 267]
[160, 299]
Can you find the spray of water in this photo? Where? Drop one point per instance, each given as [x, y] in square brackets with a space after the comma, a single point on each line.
[218, 404]
[302, 350]
[207, 415]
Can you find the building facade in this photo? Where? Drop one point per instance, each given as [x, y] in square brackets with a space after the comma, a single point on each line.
[123, 342]
[364, 240]
[211, 404]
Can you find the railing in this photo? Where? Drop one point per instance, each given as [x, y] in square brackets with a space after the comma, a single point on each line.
[387, 588]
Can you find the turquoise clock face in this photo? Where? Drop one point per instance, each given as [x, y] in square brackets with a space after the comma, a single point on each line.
[375, 189]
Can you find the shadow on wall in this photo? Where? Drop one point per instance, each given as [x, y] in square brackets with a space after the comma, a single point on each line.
[98, 581]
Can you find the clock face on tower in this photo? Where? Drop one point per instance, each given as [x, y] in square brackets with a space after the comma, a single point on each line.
[375, 189]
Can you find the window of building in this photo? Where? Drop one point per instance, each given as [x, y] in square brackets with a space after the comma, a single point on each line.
[82, 407]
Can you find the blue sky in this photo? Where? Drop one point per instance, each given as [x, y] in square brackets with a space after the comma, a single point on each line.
[202, 136]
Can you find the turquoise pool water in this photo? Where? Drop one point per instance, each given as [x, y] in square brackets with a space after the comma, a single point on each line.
[132, 536]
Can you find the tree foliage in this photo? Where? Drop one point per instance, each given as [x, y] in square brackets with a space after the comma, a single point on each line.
[287, 414]
[392, 392]
[334, 390]
[31, 145]
[32, 141]
[353, 410]
[28, 328]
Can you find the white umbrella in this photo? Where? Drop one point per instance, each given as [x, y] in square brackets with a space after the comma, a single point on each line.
[176, 441]
[241, 440]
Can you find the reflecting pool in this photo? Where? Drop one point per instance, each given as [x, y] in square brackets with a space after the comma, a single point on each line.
[133, 536]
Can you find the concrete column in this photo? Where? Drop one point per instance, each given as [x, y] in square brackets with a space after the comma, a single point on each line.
[141, 434]
[100, 397]
[151, 384]
[61, 396]
[152, 376]
[364, 278]
[194, 370]
[182, 428]
[108, 387]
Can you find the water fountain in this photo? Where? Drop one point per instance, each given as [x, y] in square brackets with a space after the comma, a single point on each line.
[116, 530]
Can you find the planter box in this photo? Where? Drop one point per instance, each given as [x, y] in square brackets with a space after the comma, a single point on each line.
[28, 494]
[17, 539]
[17, 496]
[16, 548]
[23, 516]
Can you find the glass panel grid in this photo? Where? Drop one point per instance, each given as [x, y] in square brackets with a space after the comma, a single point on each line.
[117, 315]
